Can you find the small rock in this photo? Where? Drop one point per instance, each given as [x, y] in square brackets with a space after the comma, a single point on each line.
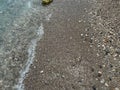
[100, 66]
[41, 71]
[93, 87]
[63, 76]
[92, 69]
[98, 54]
[34, 67]
[117, 88]
[110, 78]
[103, 65]
[118, 51]
[86, 35]
[113, 69]
[106, 85]
[10, 57]
[91, 45]
[1, 82]
[96, 79]
[111, 65]
[81, 34]
[107, 51]
[102, 81]
[80, 21]
[99, 73]
[115, 58]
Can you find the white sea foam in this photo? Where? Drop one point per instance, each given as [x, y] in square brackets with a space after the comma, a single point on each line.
[29, 5]
[31, 56]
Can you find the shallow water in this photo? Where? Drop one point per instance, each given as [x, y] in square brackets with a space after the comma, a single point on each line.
[20, 30]
[9, 10]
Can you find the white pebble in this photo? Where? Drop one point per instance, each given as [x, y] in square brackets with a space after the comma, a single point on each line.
[99, 72]
[117, 88]
[102, 81]
[81, 34]
[10, 57]
[34, 67]
[106, 85]
[98, 54]
[41, 71]
[80, 21]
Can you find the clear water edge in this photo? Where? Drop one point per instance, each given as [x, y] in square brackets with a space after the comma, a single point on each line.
[13, 39]
[31, 56]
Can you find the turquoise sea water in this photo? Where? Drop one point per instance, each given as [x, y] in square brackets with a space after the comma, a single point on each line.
[20, 29]
[9, 10]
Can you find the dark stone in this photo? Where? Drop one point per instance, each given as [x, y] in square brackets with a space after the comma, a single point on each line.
[100, 66]
[111, 65]
[110, 78]
[99, 74]
[94, 87]
[118, 51]
[107, 51]
[92, 69]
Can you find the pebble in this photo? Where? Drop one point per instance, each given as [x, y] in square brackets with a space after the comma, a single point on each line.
[102, 81]
[103, 65]
[106, 85]
[115, 58]
[118, 51]
[34, 67]
[117, 88]
[115, 55]
[10, 57]
[96, 79]
[63, 76]
[86, 35]
[98, 54]
[41, 71]
[1, 82]
[99, 73]
[91, 45]
[81, 34]
[36, 60]
[113, 69]
[80, 21]
[93, 87]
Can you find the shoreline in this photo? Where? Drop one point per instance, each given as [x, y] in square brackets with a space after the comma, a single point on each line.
[31, 56]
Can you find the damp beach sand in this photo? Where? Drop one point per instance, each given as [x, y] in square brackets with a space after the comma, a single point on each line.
[77, 50]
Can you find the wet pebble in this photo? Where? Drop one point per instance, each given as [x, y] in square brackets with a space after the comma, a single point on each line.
[94, 87]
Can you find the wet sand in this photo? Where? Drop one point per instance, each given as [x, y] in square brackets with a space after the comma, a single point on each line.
[61, 61]
[68, 56]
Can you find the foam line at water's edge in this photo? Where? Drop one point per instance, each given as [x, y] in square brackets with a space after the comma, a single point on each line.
[31, 56]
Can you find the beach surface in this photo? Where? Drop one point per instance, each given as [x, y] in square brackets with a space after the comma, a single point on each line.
[66, 45]
[77, 50]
